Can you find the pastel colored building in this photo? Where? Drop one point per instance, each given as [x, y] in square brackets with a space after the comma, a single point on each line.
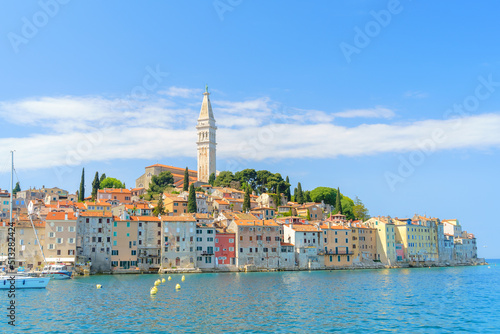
[225, 249]
[205, 246]
[364, 242]
[94, 231]
[338, 246]
[386, 239]
[60, 237]
[307, 241]
[124, 243]
[148, 242]
[178, 242]
[120, 194]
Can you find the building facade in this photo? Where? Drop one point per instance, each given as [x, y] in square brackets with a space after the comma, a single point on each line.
[206, 140]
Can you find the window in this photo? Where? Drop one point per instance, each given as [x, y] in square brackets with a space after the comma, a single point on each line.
[216, 249]
[59, 240]
[71, 240]
[265, 250]
[128, 224]
[115, 224]
[241, 238]
[210, 231]
[208, 259]
[336, 240]
[216, 240]
[114, 252]
[71, 229]
[268, 238]
[199, 259]
[71, 252]
[273, 250]
[114, 242]
[133, 252]
[52, 246]
[59, 229]
[231, 249]
[197, 239]
[199, 248]
[58, 252]
[241, 250]
[231, 241]
[52, 234]
[210, 239]
[276, 238]
[115, 234]
[339, 259]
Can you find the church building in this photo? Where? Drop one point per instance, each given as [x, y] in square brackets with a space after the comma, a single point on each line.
[206, 147]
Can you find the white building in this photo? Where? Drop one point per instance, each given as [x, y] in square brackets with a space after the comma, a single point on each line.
[205, 246]
[178, 242]
[93, 242]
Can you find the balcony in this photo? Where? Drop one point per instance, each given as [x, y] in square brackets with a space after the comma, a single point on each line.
[204, 253]
[333, 252]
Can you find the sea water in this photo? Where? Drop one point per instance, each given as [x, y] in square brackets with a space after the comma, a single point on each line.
[416, 300]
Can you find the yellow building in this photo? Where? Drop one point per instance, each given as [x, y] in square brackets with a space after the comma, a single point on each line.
[175, 205]
[124, 244]
[60, 237]
[337, 244]
[386, 239]
[364, 242]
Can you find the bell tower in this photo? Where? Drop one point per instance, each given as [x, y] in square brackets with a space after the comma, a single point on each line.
[206, 142]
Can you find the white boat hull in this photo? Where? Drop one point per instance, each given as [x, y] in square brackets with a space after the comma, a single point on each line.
[23, 282]
[58, 275]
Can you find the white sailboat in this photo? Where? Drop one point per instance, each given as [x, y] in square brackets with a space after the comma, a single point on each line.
[16, 281]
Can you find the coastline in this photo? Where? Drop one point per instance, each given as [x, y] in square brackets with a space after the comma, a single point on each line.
[359, 266]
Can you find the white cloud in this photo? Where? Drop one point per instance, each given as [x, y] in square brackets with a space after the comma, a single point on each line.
[93, 129]
[377, 112]
[415, 94]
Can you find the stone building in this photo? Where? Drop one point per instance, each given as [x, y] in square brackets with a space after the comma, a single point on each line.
[206, 139]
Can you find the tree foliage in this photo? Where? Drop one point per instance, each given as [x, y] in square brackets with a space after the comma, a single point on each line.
[299, 195]
[224, 179]
[338, 202]
[192, 199]
[185, 186]
[288, 195]
[211, 179]
[95, 186]
[111, 182]
[81, 193]
[16, 189]
[326, 194]
[103, 176]
[246, 200]
[160, 208]
[160, 182]
[359, 210]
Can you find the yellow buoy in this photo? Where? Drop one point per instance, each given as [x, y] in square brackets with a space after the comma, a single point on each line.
[163, 280]
[98, 286]
[169, 278]
[183, 278]
[157, 282]
[153, 291]
[178, 287]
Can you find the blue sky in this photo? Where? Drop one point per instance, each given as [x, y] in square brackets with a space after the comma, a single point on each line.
[394, 102]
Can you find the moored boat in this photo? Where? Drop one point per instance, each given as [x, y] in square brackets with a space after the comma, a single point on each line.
[23, 282]
[56, 271]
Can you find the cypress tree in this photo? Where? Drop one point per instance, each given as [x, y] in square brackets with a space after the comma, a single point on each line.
[299, 197]
[16, 189]
[287, 190]
[338, 205]
[192, 199]
[95, 186]
[211, 179]
[186, 180]
[81, 193]
[160, 208]
[246, 200]
[103, 176]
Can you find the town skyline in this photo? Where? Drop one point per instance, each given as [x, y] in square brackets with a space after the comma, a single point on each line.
[407, 121]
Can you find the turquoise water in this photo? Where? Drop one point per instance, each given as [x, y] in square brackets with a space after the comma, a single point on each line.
[435, 300]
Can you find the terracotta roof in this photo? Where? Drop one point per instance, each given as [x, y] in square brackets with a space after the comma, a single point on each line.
[178, 219]
[268, 222]
[334, 227]
[304, 228]
[145, 218]
[95, 214]
[286, 244]
[114, 191]
[60, 216]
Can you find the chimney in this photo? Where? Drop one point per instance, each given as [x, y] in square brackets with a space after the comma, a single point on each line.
[66, 216]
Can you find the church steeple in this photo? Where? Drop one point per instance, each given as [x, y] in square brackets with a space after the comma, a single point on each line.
[206, 139]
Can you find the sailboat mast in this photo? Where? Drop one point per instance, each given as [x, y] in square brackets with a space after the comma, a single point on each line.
[11, 185]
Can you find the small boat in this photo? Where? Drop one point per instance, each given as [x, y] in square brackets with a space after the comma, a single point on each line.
[56, 271]
[23, 282]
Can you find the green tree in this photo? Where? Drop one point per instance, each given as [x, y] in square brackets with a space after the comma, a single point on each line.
[211, 179]
[347, 207]
[261, 181]
[359, 210]
[338, 203]
[246, 200]
[192, 199]
[248, 176]
[307, 196]
[160, 182]
[294, 197]
[16, 189]
[288, 195]
[111, 182]
[224, 179]
[159, 208]
[95, 186]
[185, 186]
[326, 194]
[299, 195]
[81, 193]
[103, 176]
